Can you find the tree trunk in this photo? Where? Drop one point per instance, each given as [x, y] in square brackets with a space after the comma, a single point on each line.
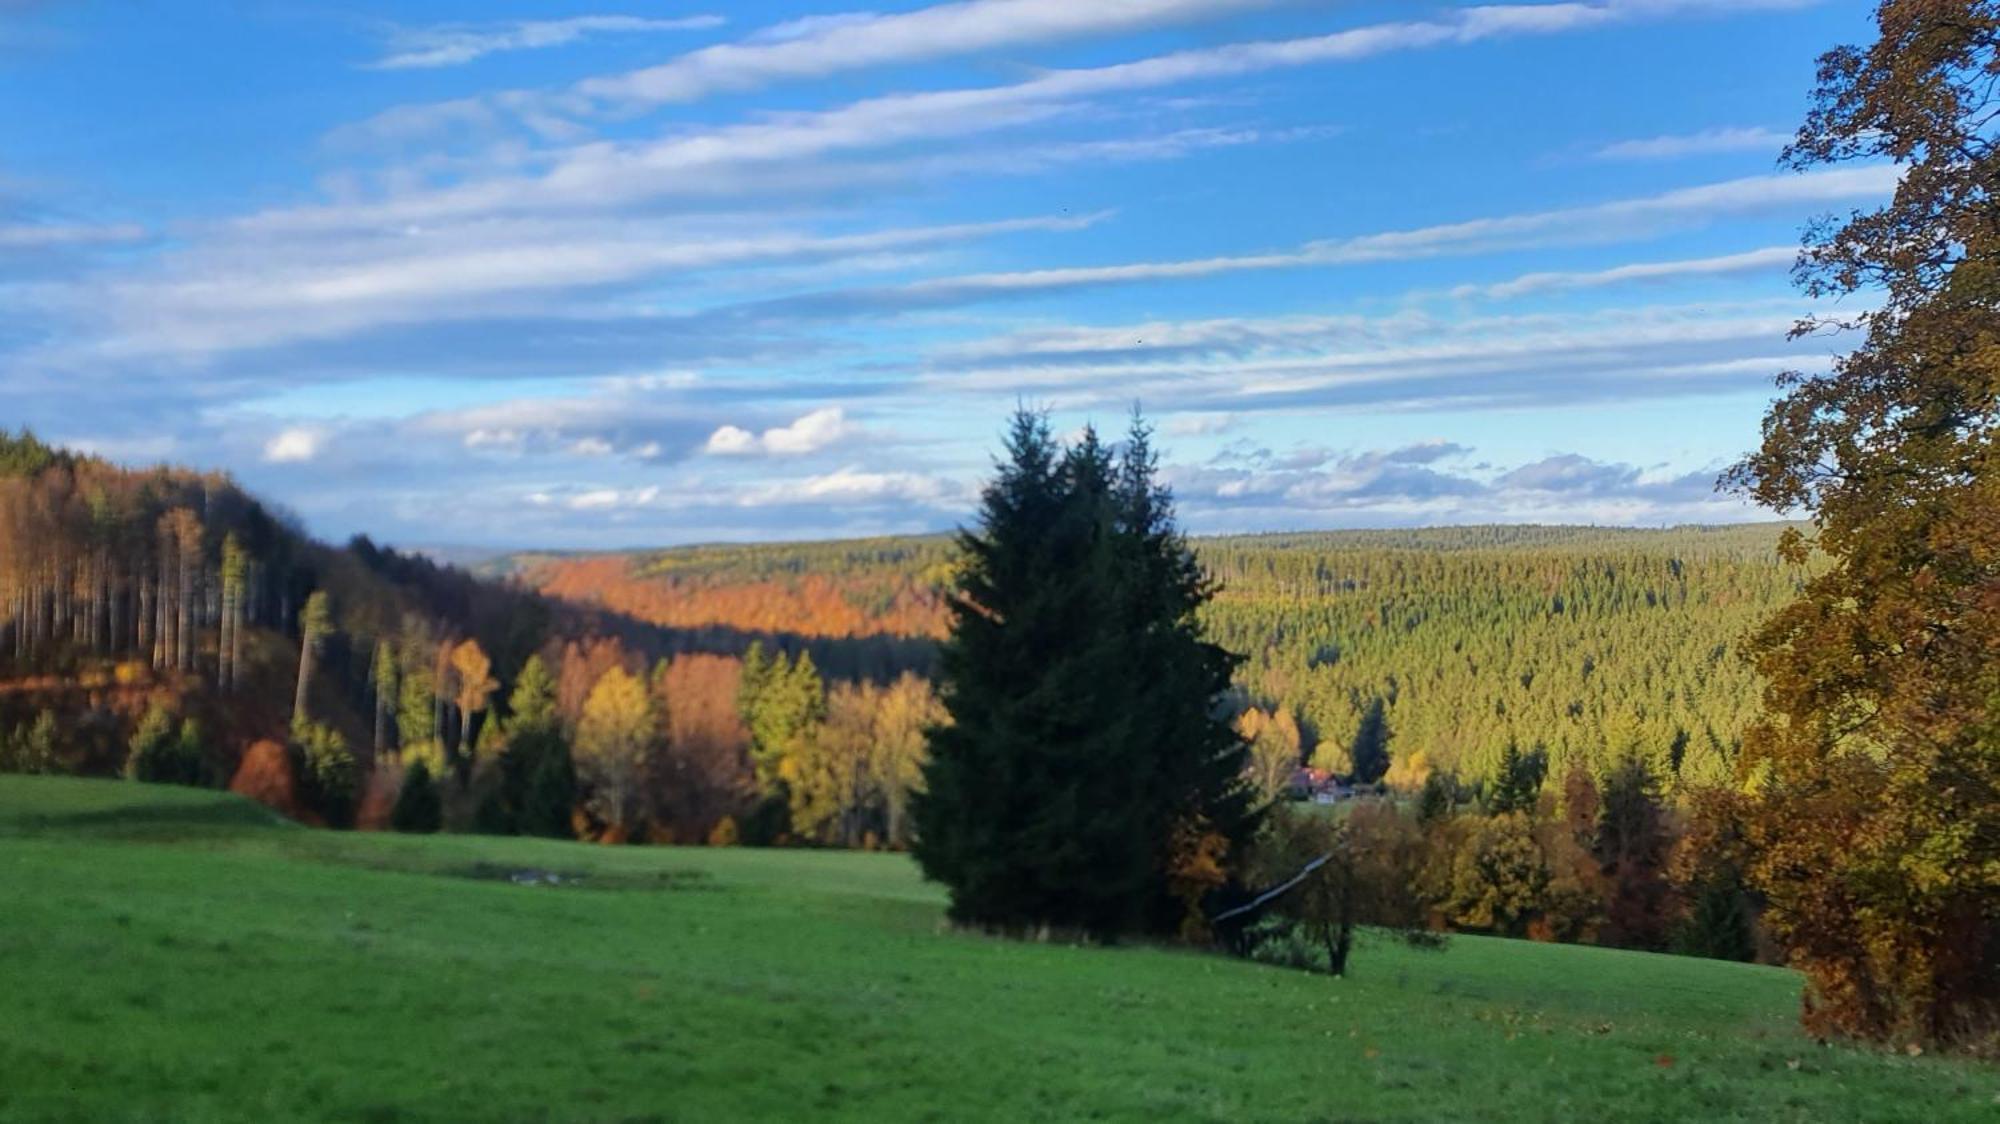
[305, 677]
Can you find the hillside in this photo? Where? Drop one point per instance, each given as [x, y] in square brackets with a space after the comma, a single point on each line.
[1588, 641]
[219, 965]
[127, 589]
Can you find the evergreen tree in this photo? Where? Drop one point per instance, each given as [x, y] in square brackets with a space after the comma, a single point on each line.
[419, 806]
[537, 790]
[1519, 781]
[1369, 753]
[1086, 719]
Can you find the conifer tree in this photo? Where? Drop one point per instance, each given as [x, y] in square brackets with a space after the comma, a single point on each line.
[1368, 754]
[1086, 728]
[537, 792]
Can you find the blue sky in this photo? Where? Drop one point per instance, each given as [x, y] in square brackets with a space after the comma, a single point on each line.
[595, 275]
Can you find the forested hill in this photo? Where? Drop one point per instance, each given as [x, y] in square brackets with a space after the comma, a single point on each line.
[1582, 640]
[124, 590]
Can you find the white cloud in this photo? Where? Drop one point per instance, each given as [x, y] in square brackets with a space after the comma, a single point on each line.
[1696, 144]
[36, 236]
[1771, 259]
[729, 441]
[455, 44]
[977, 24]
[854, 486]
[829, 45]
[234, 296]
[1611, 221]
[294, 446]
[1406, 361]
[811, 433]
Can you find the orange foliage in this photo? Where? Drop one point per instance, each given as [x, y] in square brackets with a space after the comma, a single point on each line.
[265, 776]
[378, 797]
[708, 749]
[810, 605]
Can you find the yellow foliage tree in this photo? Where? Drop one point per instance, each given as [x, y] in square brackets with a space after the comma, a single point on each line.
[615, 741]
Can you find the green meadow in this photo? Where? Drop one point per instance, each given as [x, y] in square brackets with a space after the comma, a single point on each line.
[173, 954]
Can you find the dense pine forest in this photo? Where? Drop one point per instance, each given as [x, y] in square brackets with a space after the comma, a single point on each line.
[1591, 644]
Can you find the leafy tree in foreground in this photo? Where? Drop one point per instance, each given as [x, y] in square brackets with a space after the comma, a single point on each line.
[1878, 827]
[1087, 739]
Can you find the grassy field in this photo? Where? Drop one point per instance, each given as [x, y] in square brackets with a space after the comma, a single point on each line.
[167, 954]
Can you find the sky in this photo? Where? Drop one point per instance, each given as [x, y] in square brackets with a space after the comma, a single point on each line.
[599, 275]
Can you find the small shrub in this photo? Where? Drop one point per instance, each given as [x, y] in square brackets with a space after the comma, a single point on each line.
[327, 772]
[724, 833]
[419, 805]
[160, 754]
[30, 749]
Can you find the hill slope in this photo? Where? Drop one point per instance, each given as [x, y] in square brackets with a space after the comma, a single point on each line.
[178, 954]
[1592, 642]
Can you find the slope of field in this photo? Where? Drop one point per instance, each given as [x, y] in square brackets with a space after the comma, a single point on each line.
[1591, 642]
[176, 954]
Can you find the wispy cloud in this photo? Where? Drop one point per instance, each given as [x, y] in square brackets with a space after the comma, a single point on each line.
[818, 47]
[1771, 259]
[36, 236]
[1621, 219]
[1390, 487]
[458, 43]
[1697, 144]
[950, 29]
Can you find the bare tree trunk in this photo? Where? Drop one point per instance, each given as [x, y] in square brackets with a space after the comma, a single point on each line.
[305, 677]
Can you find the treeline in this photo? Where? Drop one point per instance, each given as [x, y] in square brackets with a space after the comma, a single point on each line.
[166, 625]
[1592, 644]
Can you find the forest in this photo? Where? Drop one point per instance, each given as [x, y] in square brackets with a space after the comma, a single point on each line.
[1591, 644]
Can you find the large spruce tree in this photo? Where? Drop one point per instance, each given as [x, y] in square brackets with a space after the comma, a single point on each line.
[1084, 700]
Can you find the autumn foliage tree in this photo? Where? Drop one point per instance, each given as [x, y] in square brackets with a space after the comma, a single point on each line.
[1877, 827]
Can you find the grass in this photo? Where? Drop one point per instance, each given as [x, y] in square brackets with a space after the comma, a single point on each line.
[173, 954]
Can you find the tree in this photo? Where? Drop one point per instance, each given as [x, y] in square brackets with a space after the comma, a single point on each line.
[473, 678]
[1519, 783]
[235, 579]
[1499, 877]
[162, 753]
[330, 778]
[315, 622]
[1087, 734]
[783, 703]
[1342, 874]
[1368, 756]
[614, 743]
[1878, 766]
[1632, 842]
[1276, 748]
[382, 684]
[537, 790]
[907, 710]
[419, 806]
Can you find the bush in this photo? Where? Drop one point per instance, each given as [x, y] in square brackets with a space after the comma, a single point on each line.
[30, 749]
[328, 774]
[160, 754]
[419, 805]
